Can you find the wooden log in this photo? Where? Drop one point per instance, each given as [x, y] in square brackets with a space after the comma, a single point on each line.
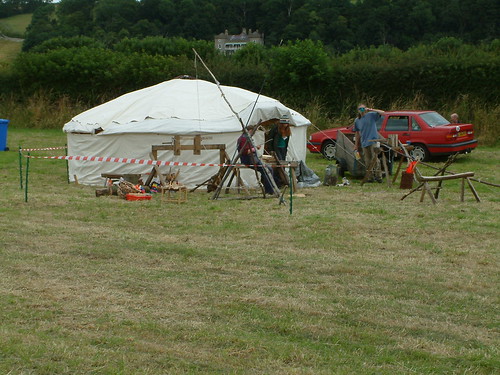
[398, 169]
[102, 192]
[473, 190]
[447, 177]
[197, 145]
[177, 145]
[427, 189]
[386, 170]
[462, 190]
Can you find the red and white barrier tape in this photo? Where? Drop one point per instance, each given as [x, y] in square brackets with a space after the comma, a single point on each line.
[43, 149]
[139, 161]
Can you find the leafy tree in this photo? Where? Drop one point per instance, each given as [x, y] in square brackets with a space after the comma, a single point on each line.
[252, 54]
[144, 28]
[12, 7]
[42, 27]
[115, 15]
[339, 24]
[60, 42]
[299, 65]
[75, 16]
[165, 46]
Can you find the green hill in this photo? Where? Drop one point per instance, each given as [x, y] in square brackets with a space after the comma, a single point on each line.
[15, 26]
[11, 30]
[8, 51]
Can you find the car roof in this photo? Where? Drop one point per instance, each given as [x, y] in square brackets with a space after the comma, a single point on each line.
[406, 112]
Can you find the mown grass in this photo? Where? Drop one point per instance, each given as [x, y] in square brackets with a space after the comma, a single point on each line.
[355, 281]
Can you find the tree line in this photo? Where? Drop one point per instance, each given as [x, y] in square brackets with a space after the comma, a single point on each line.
[340, 25]
[296, 72]
[10, 8]
[86, 50]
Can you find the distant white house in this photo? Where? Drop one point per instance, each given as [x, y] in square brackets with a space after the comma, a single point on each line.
[228, 44]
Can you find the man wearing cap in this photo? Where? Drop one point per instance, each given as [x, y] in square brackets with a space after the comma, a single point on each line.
[365, 128]
[279, 136]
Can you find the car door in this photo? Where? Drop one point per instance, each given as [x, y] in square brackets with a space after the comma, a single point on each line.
[399, 125]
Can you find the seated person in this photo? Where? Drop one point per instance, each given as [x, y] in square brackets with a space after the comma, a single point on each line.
[248, 156]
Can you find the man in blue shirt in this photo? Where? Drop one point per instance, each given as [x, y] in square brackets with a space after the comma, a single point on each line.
[366, 133]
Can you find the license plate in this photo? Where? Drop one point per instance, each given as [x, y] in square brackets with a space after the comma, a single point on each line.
[462, 134]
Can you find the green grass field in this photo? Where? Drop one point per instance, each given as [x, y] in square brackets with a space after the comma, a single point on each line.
[354, 281]
[15, 26]
[8, 51]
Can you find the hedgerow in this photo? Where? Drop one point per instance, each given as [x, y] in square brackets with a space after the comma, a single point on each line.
[297, 72]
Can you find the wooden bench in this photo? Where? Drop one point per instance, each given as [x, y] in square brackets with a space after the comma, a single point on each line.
[426, 188]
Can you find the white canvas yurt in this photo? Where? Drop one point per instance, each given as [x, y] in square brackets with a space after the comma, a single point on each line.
[128, 127]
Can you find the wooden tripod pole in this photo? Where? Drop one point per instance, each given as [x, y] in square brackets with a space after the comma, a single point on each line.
[245, 131]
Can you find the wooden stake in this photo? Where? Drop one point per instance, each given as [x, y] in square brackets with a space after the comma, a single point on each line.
[462, 190]
[472, 189]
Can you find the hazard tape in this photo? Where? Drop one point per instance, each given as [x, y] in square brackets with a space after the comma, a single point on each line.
[141, 161]
[43, 149]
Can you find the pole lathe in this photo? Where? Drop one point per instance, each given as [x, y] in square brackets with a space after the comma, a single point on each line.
[244, 129]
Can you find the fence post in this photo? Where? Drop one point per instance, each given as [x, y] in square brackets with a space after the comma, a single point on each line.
[67, 163]
[26, 183]
[291, 188]
[20, 168]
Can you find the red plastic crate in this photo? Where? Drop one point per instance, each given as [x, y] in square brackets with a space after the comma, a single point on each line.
[137, 197]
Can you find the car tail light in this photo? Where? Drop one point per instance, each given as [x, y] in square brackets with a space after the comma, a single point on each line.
[452, 135]
[457, 132]
[454, 132]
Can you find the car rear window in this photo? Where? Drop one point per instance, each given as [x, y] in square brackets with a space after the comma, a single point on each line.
[397, 123]
[434, 119]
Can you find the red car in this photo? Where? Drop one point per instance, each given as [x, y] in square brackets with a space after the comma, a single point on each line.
[429, 133]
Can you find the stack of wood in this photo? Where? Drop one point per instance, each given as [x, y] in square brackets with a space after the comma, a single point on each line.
[125, 187]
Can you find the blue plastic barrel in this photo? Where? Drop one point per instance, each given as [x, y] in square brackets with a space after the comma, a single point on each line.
[4, 124]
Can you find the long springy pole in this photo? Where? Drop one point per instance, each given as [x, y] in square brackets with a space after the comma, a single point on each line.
[245, 131]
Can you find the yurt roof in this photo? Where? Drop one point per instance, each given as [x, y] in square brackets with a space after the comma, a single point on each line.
[181, 106]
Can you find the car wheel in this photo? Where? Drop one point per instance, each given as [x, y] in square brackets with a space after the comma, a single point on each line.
[419, 152]
[328, 150]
